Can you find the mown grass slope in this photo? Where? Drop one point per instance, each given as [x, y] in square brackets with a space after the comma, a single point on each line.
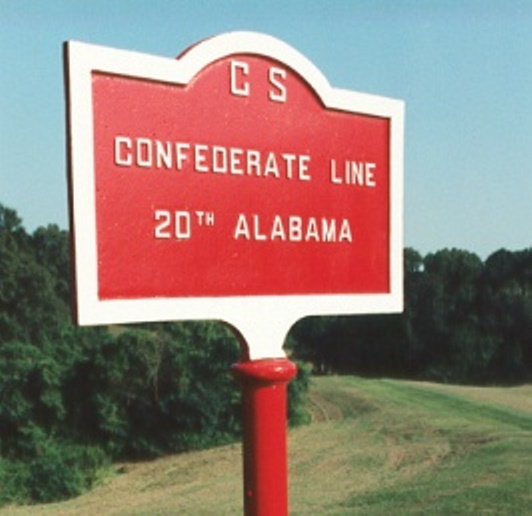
[413, 448]
[373, 447]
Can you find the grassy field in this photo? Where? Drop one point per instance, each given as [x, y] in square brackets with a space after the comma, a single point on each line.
[373, 447]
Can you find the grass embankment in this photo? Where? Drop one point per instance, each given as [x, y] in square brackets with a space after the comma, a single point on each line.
[410, 448]
[374, 447]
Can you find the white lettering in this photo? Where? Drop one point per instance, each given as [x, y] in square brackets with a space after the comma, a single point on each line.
[345, 232]
[328, 230]
[271, 166]
[312, 231]
[200, 158]
[236, 161]
[295, 230]
[241, 228]
[203, 158]
[180, 221]
[304, 160]
[370, 179]
[355, 173]
[240, 89]
[253, 167]
[219, 160]
[289, 160]
[256, 229]
[163, 154]
[161, 229]
[123, 156]
[334, 179]
[180, 154]
[144, 152]
[276, 76]
[182, 225]
[292, 228]
[278, 229]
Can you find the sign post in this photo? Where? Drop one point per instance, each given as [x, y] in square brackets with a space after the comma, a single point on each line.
[264, 430]
[233, 183]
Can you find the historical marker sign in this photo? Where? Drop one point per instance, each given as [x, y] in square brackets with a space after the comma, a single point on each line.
[233, 183]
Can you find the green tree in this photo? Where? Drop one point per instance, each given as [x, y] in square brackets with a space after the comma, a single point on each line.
[448, 314]
[506, 313]
[52, 250]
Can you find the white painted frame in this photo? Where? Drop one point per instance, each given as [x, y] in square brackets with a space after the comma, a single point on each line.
[263, 321]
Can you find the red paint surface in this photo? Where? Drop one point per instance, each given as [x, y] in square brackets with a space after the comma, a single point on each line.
[132, 263]
[264, 385]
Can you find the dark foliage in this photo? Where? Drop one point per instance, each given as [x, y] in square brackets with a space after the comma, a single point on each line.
[465, 321]
[74, 399]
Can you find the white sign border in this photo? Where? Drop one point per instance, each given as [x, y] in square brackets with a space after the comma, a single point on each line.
[262, 321]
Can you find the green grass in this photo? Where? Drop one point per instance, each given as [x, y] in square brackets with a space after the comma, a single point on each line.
[433, 451]
[374, 447]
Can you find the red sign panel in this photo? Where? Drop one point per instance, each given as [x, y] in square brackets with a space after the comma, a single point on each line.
[232, 172]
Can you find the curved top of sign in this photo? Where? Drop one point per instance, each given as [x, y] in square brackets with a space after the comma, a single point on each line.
[313, 225]
[205, 52]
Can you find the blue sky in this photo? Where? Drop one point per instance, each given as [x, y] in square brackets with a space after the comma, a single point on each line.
[464, 69]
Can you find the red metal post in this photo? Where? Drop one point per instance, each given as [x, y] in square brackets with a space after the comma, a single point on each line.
[264, 385]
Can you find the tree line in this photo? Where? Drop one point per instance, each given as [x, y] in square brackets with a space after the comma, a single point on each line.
[465, 321]
[72, 400]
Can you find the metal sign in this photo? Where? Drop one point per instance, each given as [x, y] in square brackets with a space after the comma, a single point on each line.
[233, 183]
